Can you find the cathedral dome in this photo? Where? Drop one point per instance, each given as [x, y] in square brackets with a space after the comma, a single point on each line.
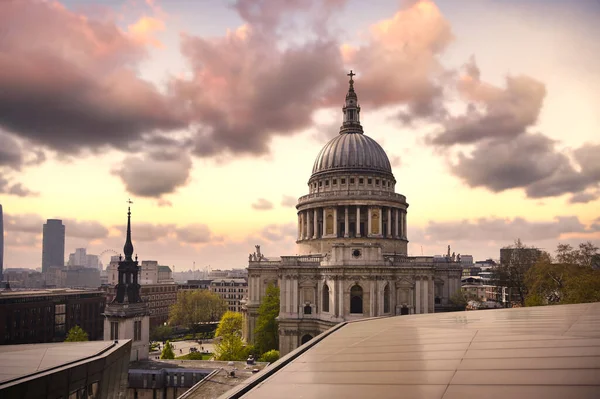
[352, 151]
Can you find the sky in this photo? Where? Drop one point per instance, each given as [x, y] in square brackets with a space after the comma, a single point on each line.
[209, 115]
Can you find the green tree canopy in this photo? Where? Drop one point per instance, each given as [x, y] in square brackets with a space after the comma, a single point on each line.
[161, 333]
[568, 278]
[231, 323]
[195, 307]
[266, 333]
[167, 352]
[270, 356]
[229, 345]
[77, 334]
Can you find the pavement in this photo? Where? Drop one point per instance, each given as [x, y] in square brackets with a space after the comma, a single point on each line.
[185, 346]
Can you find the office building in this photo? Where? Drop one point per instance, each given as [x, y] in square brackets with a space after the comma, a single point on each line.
[53, 245]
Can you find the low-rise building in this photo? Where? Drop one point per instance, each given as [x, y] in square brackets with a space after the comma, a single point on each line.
[38, 316]
[232, 290]
[195, 285]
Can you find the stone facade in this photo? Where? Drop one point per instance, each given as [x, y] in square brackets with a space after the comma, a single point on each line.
[352, 245]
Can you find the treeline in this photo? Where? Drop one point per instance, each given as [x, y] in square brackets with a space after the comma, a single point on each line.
[536, 278]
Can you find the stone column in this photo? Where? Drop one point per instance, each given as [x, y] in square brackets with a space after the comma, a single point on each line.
[369, 231]
[396, 224]
[372, 312]
[316, 223]
[288, 295]
[425, 295]
[418, 296]
[358, 220]
[346, 227]
[380, 213]
[299, 227]
[404, 225]
[308, 224]
[295, 294]
[389, 222]
[335, 222]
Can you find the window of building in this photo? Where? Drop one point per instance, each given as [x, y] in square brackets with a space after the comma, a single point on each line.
[352, 180]
[370, 181]
[326, 182]
[377, 182]
[343, 181]
[334, 181]
[386, 299]
[325, 298]
[137, 330]
[361, 180]
[320, 184]
[114, 330]
[307, 309]
[356, 299]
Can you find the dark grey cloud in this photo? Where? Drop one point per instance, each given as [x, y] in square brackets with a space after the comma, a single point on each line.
[289, 201]
[262, 204]
[493, 112]
[10, 152]
[532, 162]
[69, 90]
[156, 173]
[497, 229]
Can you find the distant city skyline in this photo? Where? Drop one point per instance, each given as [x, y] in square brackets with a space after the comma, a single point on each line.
[210, 116]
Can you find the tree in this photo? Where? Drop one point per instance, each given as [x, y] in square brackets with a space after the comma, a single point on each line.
[167, 352]
[161, 333]
[569, 278]
[195, 307]
[270, 356]
[266, 333]
[77, 334]
[231, 323]
[229, 334]
[515, 261]
[459, 299]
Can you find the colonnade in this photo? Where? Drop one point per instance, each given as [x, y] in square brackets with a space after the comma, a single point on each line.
[323, 222]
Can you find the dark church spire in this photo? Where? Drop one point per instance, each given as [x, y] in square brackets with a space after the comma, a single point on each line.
[128, 248]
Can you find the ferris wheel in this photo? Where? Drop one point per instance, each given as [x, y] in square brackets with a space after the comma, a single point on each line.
[107, 251]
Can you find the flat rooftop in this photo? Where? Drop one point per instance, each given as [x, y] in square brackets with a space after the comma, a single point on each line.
[18, 361]
[46, 292]
[549, 352]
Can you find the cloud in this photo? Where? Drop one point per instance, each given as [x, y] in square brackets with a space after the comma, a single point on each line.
[78, 76]
[25, 223]
[262, 204]
[530, 161]
[395, 161]
[164, 203]
[87, 229]
[156, 173]
[144, 231]
[238, 77]
[584, 197]
[196, 234]
[277, 232]
[493, 112]
[400, 63]
[20, 239]
[288, 201]
[15, 189]
[498, 229]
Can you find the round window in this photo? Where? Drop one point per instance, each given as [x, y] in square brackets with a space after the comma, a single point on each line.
[356, 253]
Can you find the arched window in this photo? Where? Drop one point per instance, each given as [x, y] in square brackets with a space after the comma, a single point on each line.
[386, 299]
[325, 306]
[306, 338]
[307, 309]
[356, 299]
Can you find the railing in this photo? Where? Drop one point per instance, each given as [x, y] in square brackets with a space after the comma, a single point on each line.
[347, 193]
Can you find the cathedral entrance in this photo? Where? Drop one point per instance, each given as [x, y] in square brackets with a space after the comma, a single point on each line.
[403, 310]
[306, 338]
